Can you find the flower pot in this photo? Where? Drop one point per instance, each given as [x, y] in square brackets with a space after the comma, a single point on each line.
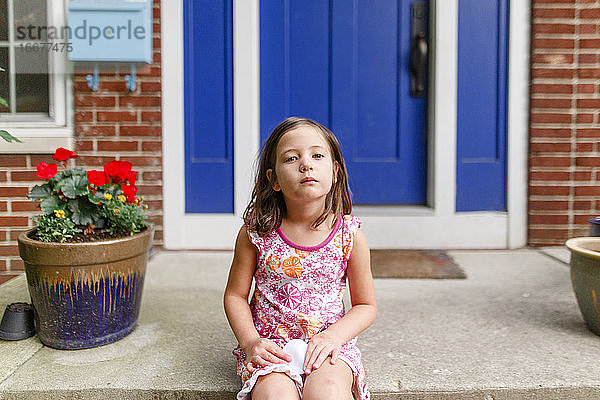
[17, 322]
[85, 294]
[594, 226]
[585, 276]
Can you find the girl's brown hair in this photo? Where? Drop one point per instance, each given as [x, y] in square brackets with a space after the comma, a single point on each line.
[267, 207]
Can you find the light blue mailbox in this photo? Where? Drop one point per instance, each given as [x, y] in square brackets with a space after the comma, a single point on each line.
[111, 30]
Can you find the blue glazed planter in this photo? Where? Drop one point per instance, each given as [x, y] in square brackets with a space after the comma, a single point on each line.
[85, 294]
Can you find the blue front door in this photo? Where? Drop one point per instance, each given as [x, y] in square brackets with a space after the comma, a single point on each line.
[345, 64]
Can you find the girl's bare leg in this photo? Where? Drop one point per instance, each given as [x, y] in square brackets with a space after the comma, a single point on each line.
[275, 386]
[329, 382]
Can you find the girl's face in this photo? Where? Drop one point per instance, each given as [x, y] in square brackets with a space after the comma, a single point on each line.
[304, 165]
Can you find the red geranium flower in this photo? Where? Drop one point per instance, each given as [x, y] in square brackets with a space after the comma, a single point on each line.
[129, 192]
[118, 171]
[96, 178]
[62, 154]
[131, 177]
[46, 171]
[111, 169]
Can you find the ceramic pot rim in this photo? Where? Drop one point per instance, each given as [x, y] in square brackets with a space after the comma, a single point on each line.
[581, 245]
[24, 237]
[51, 253]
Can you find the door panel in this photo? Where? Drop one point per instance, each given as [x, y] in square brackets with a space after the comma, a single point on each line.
[482, 82]
[346, 65]
[208, 95]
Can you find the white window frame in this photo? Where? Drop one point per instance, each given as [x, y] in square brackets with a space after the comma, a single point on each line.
[44, 135]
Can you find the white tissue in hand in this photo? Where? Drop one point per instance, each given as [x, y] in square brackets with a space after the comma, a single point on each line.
[297, 349]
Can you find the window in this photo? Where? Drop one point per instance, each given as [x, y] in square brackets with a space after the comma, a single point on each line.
[34, 79]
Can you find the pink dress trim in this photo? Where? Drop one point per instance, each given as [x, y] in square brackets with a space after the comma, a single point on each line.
[311, 248]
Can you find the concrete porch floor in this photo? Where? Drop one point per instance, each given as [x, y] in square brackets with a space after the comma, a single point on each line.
[511, 330]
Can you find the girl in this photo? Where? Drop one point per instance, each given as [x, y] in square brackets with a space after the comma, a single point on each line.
[300, 243]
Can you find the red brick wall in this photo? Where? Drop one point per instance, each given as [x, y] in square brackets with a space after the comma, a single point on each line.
[111, 123]
[564, 126]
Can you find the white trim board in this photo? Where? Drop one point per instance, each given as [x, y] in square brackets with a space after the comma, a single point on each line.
[436, 226]
[517, 124]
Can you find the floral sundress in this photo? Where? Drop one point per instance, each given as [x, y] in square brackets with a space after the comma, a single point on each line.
[298, 293]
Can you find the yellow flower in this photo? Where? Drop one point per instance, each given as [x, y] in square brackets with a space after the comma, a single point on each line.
[122, 198]
[59, 213]
[107, 196]
[116, 211]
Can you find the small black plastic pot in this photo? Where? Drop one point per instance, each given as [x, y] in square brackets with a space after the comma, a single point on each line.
[594, 226]
[17, 322]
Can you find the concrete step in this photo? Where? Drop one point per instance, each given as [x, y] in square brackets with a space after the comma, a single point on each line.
[511, 330]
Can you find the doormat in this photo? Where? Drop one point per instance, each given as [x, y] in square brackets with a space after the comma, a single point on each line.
[414, 264]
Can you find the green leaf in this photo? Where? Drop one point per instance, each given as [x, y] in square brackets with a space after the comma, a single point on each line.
[52, 203]
[97, 197]
[100, 223]
[73, 186]
[7, 136]
[65, 173]
[84, 212]
[4, 102]
[115, 190]
[39, 192]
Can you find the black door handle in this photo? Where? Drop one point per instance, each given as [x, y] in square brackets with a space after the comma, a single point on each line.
[418, 62]
[418, 48]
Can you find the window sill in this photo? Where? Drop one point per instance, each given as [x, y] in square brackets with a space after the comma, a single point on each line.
[42, 140]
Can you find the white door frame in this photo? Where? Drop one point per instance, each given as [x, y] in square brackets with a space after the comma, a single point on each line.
[437, 225]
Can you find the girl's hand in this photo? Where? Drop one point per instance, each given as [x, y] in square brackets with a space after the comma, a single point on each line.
[319, 348]
[263, 352]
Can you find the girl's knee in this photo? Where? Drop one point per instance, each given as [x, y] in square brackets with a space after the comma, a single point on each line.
[327, 391]
[275, 386]
[329, 382]
[274, 395]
